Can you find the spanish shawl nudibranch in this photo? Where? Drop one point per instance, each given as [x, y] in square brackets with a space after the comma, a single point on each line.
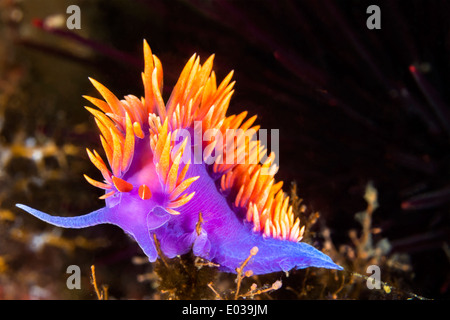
[183, 193]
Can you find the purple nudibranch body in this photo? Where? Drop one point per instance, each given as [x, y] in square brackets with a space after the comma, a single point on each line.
[157, 185]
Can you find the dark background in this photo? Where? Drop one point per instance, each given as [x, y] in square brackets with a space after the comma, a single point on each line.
[348, 107]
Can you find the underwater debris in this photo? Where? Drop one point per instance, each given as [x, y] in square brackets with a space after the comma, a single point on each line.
[254, 291]
[179, 278]
[361, 256]
[102, 294]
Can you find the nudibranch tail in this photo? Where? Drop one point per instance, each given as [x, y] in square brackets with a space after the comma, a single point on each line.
[275, 255]
[191, 176]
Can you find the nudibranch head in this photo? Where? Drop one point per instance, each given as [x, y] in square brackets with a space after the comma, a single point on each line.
[191, 176]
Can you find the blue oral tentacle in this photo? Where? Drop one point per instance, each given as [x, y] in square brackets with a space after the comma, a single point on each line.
[139, 232]
[88, 220]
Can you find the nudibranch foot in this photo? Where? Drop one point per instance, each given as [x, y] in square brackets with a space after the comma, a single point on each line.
[139, 232]
[189, 177]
